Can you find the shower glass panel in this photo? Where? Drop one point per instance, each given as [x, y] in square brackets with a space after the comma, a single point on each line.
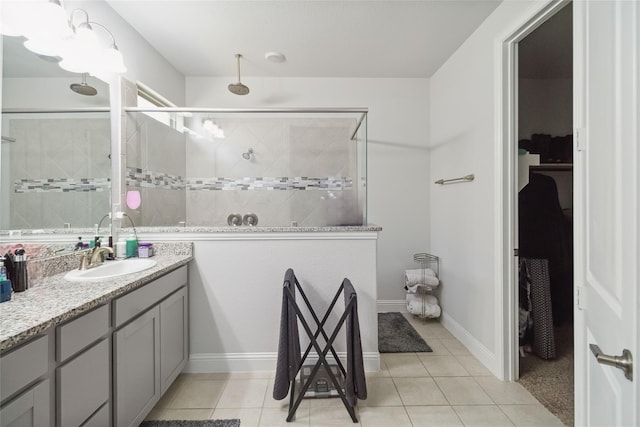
[55, 169]
[271, 168]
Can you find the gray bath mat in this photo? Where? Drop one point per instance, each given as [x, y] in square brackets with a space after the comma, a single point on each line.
[396, 335]
[192, 423]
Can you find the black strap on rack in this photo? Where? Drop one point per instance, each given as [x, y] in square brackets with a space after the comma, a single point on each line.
[289, 361]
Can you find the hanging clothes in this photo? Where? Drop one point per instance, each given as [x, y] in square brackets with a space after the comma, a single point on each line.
[543, 235]
[536, 312]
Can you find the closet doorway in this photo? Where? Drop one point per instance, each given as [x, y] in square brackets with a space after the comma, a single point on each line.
[545, 213]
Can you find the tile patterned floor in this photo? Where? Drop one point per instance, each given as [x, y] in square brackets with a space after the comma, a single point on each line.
[447, 387]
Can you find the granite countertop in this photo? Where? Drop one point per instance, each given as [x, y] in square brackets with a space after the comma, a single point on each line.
[56, 300]
[4, 234]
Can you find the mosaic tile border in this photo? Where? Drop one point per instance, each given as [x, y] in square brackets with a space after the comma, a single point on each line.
[61, 185]
[139, 178]
[270, 183]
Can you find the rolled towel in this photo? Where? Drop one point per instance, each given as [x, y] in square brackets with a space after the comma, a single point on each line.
[427, 299]
[416, 276]
[431, 299]
[414, 307]
[411, 289]
[413, 297]
[423, 309]
[432, 310]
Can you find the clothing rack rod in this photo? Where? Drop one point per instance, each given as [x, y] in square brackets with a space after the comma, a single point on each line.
[465, 178]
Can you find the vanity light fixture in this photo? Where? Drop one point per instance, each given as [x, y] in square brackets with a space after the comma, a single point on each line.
[212, 128]
[49, 32]
[46, 27]
[84, 52]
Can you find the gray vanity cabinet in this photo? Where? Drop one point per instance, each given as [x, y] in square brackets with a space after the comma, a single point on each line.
[106, 367]
[30, 409]
[137, 368]
[174, 337]
[83, 375]
[26, 391]
[150, 349]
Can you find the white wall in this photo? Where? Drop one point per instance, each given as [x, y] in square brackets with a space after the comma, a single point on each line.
[398, 155]
[464, 96]
[235, 285]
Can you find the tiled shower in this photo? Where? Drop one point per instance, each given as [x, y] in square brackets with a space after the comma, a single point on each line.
[287, 169]
[55, 170]
[295, 168]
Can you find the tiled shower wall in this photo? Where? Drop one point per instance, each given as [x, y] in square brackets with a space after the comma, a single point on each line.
[302, 171]
[155, 160]
[59, 172]
[305, 170]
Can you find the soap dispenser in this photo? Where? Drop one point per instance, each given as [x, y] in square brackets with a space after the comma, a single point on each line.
[3, 270]
[121, 248]
[19, 279]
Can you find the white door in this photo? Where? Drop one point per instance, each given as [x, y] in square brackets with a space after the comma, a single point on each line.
[607, 46]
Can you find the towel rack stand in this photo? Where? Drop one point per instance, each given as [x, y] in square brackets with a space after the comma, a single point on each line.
[465, 178]
[290, 363]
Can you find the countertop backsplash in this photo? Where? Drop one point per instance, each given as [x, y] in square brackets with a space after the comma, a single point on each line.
[45, 259]
[48, 259]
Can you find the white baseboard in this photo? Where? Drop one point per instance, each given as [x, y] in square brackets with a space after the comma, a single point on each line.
[385, 306]
[482, 353]
[252, 362]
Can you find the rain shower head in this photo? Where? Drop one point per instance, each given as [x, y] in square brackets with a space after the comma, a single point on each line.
[238, 88]
[83, 88]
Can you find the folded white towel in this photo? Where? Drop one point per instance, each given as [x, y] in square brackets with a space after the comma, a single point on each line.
[429, 299]
[420, 276]
[420, 271]
[421, 309]
[412, 289]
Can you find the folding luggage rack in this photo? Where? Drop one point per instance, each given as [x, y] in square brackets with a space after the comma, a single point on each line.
[290, 363]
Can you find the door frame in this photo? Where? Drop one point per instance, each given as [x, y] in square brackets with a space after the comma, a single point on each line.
[506, 179]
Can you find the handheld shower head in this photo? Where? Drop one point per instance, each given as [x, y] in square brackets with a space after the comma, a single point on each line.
[247, 155]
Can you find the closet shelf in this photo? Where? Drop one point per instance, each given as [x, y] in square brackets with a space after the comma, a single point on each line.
[552, 167]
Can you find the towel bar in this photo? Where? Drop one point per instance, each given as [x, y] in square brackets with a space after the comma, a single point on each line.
[465, 178]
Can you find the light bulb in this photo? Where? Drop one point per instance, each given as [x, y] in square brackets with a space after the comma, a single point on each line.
[50, 47]
[46, 20]
[112, 61]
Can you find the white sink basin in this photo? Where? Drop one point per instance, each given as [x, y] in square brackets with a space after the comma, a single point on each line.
[110, 269]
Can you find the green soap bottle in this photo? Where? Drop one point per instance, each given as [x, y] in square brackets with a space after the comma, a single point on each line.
[132, 247]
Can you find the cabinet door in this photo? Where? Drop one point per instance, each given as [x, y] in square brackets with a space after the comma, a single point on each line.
[30, 409]
[137, 368]
[101, 418]
[174, 337]
[83, 385]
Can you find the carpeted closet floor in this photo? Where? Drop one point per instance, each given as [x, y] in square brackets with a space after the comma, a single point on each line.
[551, 381]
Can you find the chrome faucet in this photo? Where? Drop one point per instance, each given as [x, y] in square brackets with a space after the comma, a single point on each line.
[94, 257]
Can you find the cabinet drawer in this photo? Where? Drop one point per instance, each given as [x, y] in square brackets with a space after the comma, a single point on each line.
[79, 333]
[131, 305]
[83, 385]
[24, 365]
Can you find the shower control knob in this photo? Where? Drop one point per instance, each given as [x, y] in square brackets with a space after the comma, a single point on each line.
[234, 219]
[250, 219]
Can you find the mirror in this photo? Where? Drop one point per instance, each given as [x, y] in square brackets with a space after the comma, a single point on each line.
[55, 153]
